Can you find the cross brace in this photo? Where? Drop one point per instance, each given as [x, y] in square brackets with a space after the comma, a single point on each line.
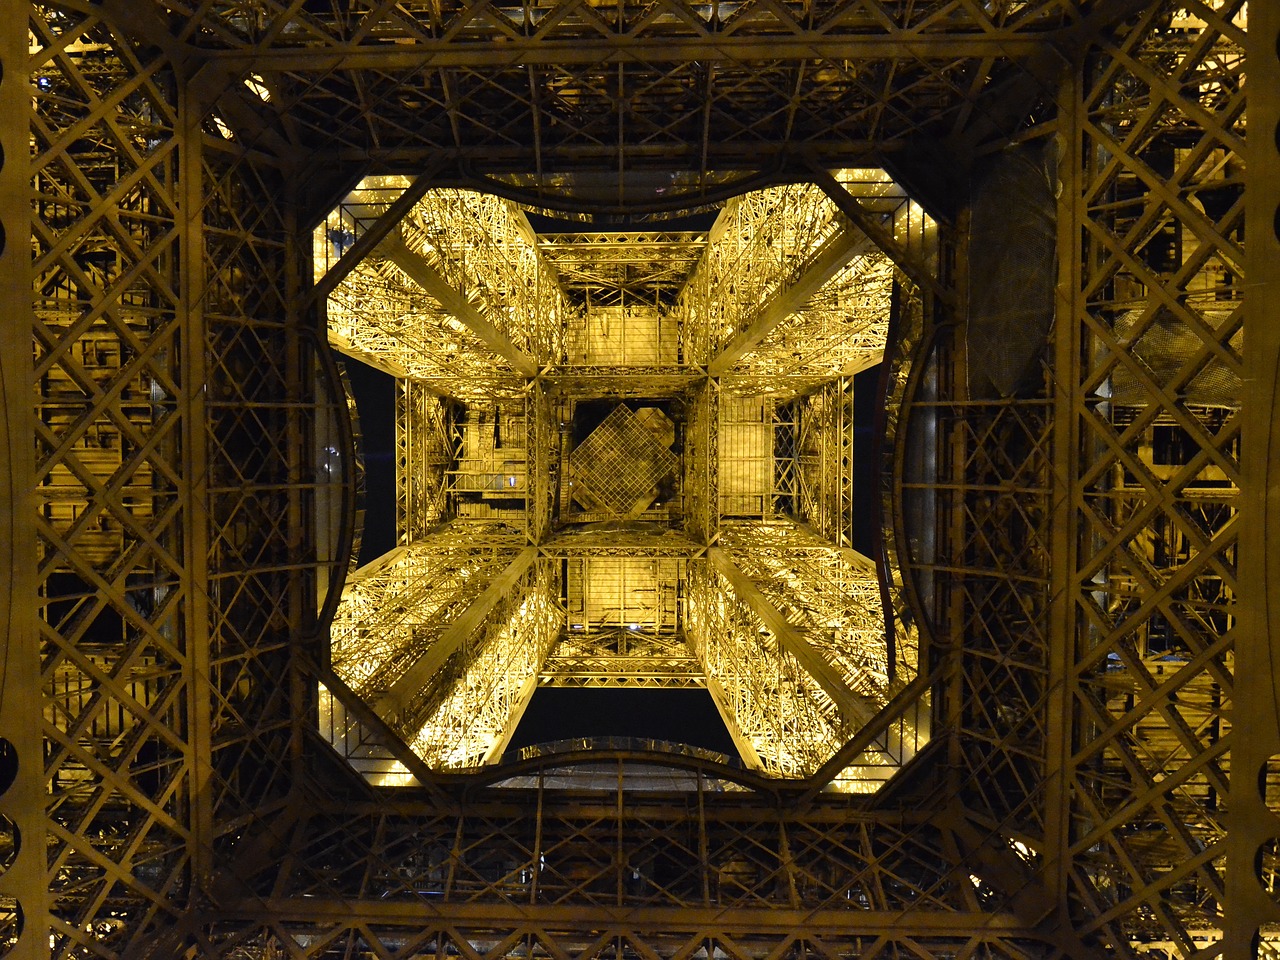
[856, 706]
[431, 659]
[826, 263]
[426, 276]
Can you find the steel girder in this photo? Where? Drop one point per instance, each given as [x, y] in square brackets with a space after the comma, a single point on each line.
[178, 577]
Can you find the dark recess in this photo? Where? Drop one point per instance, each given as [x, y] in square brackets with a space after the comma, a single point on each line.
[375, 394]
[866, 397]
[681, 716]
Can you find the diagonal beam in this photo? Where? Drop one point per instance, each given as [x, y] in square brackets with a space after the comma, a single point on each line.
[434, 657]
[879, 234]
[429, 279]
[855, 706]
[370, 237]
[499, 746]
[376, 727]
[825, 264]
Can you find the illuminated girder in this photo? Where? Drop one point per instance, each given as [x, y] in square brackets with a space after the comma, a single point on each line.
[654, 541]
[616, 268]
[621, 658]
[395, 608]
[422, 461]
[824, 460]
[832, 594]
[762, 244]
[840, 331]
[377, 314]
[780, 718]
[542, 458]
[483, 248]
[487, 683]
[701, 462]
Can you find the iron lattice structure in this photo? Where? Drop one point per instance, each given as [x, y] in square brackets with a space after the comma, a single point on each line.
[1085, 554]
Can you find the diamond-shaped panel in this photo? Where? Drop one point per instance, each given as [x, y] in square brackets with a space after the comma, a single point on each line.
[619, 466]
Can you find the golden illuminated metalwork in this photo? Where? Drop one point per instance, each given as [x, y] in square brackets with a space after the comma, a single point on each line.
[780, 718]
[1086, 556]
[781, 269]
[492, 675]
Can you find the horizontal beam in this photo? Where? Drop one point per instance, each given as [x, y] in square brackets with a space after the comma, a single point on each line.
[482, 53]
[854, 706]
[434, 657]
[825, 264]
[766, 919]
[429, 279]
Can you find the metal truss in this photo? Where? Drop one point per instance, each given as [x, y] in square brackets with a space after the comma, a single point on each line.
[483, 251]
[617, 269]
[492, 675]
[1146, 592]
[781, 718]
[1083, 562]
[388, 606]
[704, 92]
[376, 315]
[824, 461]
[768, 252]
[423, 451]
[840, 331]
[701, 463]
[621, 658]
[832, 594]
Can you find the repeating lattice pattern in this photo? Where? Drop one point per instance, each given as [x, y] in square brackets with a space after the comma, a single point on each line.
[1080, 573]
[622, 462]
[1157, 312]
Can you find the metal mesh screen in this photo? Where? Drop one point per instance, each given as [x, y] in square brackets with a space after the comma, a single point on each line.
[619, 466]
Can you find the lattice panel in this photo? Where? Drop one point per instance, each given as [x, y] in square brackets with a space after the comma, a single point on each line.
[1158, 207]
[376, 314]
[824, 460]
[833, 595]
[483, 248]
[395, 607]
[763, 242]
[621, 463]
[493, 675]
[422, 461]
[623, 850]
[997, 583]
[839, 332]
[114, 581]
[782, 720]
[699, 89]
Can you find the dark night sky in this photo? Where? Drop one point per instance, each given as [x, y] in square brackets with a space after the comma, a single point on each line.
[684, 716]
[866, 386]
[375, 394]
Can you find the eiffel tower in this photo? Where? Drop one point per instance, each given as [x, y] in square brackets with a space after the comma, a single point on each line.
[621, 265]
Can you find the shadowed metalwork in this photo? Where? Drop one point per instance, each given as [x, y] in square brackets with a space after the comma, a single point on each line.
[1051, 754]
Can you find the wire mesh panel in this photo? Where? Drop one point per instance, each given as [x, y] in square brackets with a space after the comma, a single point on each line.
[620, 464]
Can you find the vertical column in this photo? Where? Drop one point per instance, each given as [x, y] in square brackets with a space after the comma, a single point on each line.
[23, 884]
[1253, 843]
[1065, 457]
[194, 481]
